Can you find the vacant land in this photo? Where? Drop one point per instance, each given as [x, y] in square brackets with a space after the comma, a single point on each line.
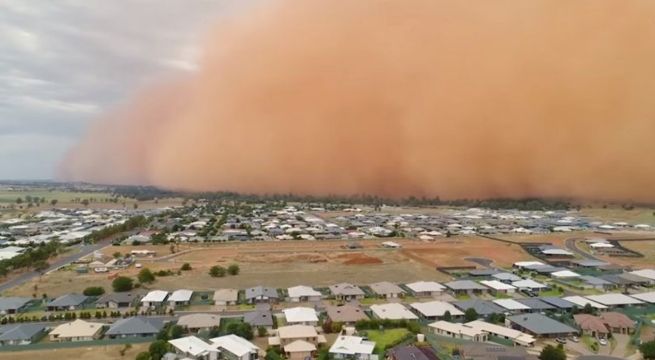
[646, 248]
[107, 352]
[615, 214]
[288, 263]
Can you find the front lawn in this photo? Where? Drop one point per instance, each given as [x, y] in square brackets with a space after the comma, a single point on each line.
[386, 338]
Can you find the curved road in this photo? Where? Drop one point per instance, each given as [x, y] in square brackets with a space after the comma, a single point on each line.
[571, 244]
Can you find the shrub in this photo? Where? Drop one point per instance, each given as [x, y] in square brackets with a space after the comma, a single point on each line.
[217, 271]
[94, 291]
[233, 269]
[122, 284]
[186, 267]
[146, 276]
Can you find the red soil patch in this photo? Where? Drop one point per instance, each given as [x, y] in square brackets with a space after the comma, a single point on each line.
[359, 259]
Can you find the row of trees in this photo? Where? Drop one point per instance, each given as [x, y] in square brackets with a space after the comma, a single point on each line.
[130, 224]
[34, 258]
[219, 271]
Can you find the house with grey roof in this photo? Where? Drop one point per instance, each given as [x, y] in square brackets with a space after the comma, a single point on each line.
[346, 291]
[259, 318]
[506, 277]
[559, 303]
[466, 287]
[596, 283]
[540, 325]
[20, 334]
[261, 294]
[536, 305]
[387, 290]
[117, 300]
[482, 307]
[135, 327]
[67, 302]
[12, 305]
[411, 352]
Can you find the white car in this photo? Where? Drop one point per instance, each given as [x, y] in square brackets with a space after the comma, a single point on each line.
[602, 341]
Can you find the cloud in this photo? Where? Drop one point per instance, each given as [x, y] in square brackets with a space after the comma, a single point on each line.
[61, 62]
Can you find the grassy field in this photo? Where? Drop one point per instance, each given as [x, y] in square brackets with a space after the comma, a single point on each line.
[386, 337]
[10, 196]
[614, 214]
[107, 352]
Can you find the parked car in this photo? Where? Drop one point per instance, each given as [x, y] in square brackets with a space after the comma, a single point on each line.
[561, 340]
[602, 341]
[575, 339]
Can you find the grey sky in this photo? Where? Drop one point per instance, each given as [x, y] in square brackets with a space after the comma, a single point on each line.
[63, 62]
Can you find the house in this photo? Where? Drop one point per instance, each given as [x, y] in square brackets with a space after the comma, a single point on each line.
[20, 334]
[479, 351]
[597, 283]
[346, 291]
[564, 274]
[511, 305]
[648, 297]
[77, 330]
[481, 307]
[517, 337]
[506, 277]
[539, 325]
[226, 297]
[558, 303]
[498, 287]
[346, 314]
[117, 300]
[154, 299]
[180, 298]
[392, 311]
[434, 310]
[411, 352]
[426, 288]
[536, 305]
[457, 331]
[615, 300]
[529, 285]
[647, 274]
[198, 322]
[301, 315]
[13, 305]
[67, 302]
[297, 341]
[302, 293]
[591, 325]
[261, 294]
[259, 318]
[618, 323]
[352, 347]
[135, 327]
[581, 302]
[391, 245]
[387, 290]
[191, 347]
[234, 347]
[465, 287]
[551, 251]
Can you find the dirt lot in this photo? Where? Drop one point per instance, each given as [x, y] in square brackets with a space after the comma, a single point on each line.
[647, 248]
[555, 239]
[288, 263]
[110, 352]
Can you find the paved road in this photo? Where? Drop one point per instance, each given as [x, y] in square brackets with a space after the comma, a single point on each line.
[84, 250]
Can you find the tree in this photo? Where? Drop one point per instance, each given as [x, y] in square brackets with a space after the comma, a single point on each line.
[146, 276]
[241, 329]
[19, 200]
[588, 309]
[85, 202]
[176, 331]
[553, 353]
[117, 254]
[470, 315]
[217, 271]
[447, 316]
[143, 356]
[261, 331]
[648, 350]
[40, 265]
[94, 291]
[233, 269]
[158, 349]
[122, 284]
[186, 267]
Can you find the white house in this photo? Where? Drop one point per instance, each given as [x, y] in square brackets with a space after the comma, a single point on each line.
[180, 297]
[498, 287]
[458, 331]
[154, 298]
[301, 316]
[238, 347]
[194, 348]
[435, 309]
[392, 311]
[426, 288]
[303, 293]
[352, 347]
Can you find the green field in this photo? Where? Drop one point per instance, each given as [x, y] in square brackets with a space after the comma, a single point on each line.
[386, 338]
[10, 196]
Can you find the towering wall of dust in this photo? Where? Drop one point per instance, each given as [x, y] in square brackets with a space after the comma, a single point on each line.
[414, 97]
